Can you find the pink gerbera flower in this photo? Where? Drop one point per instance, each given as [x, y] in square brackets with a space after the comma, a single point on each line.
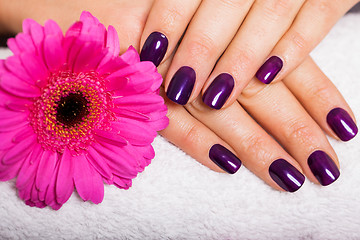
[75, 114]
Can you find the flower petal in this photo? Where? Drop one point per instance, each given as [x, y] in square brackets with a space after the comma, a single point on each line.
[28, 170]
[136, 134]
[131, 56]
[123, 183]
[64, 181]
[19, 152]
[14, 65]
[110, 137]
[36, 31]
[99, 163]
[15, 86]
[8, 124]
[24, 42]
[35, 67]
[112, 41]
[121, 162]
[53, 52]
[12, 45]
[45, 171]
[143, 103]
[52, 28]
[88, 182]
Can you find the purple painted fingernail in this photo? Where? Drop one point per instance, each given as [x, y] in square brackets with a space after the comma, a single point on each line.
[286, 175]
[323, 167]
[219, 91]
[181, 85]
[342, 124]
[154, 48]
[268, 71]
[225, 159]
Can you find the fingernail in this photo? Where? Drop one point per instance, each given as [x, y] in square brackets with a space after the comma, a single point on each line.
[181, 85]
[323, 167]
[268, 71]
[342, 124]
[219, 91]
[286, 175]
[154, 48]
[225, 159]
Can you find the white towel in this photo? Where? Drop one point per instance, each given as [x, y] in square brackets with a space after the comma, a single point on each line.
[178, 198]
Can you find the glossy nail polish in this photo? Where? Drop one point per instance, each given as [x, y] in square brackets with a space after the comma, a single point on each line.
[268, 71]
[154, 48]
[225, 159]
[286, 175]
[342, 124]
[323, 167]
[181, 85]
[219, 91]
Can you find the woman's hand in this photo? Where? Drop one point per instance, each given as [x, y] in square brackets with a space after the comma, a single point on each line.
[277, 131]
[241, 38]
[203, 133]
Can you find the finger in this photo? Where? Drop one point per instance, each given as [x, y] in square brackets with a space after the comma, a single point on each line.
[277, 110]
[313, 22]
[264, 25]
[210, 31]
[259, 152]
[165, 25]
[198, 141]
[322, 100]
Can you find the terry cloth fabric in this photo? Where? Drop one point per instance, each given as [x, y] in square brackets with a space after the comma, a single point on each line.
[178, 198]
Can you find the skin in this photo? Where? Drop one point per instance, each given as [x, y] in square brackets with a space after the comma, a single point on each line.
[293, 111]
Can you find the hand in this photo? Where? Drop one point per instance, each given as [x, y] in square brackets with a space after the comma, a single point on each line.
[295, 112]
[234, 37]
[196, 132]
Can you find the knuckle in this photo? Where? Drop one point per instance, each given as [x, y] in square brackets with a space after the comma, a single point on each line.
[170, 16]
[298, 131]
[277, 9]
[254, 88]
[241, 61]
[191, 135]
[234, 4]
[300, 41]
[203, 46]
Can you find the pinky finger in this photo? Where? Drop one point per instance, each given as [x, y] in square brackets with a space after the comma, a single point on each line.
[197, 140]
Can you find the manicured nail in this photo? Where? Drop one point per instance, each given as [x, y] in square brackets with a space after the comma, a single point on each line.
[323, 167]
[181, 85]
[225, 159]
[342, 124]
[286, 175]
[219, 91]
[268, 71]
[154, 48]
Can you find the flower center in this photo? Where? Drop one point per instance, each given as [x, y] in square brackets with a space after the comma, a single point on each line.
[72, 109]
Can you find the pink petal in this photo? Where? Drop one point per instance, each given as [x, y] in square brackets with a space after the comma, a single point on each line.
[110, 137]
[28, 170]
[15, 86]
[23, 134]
[116, 84]
[12, 44]
[45, 171]
[52, 28]
[88, 19]
[86, 55]
[99, 163]
[53, 52]
[74, 30]
[25, 43]
[10, 124]
[131, 56]
[14, 65]
[8, 172]
[88, 182]
[121, 162]
[125, 113]
[122, 182]
[136, 134]
[143, 103]
[19, 152]
[36, 31]
[36, 68]
[64, 181]
[112, 41]
[50, 196]
[10, 138]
